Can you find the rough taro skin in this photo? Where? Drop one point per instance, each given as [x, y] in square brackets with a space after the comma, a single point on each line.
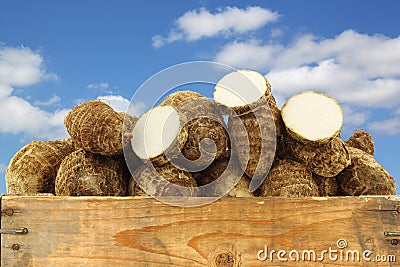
[34, 168]
[96, 127]
[86, 174]
[365, 176]
[289, 178]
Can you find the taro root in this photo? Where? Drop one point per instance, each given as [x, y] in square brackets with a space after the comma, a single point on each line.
[312, 117]
[228, 176]
[324, 159]
[34, 168]
[241, 92]
[289, 178]
[313, 122]
[327, 186]
[253, 141]
[86, 174]
[365, 176]
[207, 138]
[254, 123]
[129, 123]
[131, 159]
[158, 181]
[96, 127]
[362, 140]
[159, 135]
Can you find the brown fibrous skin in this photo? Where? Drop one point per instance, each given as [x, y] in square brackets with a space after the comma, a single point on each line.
[96, 127]
[204, 122]
[86, 174]
[218, 169]
[362, 140]
[34, 168]
[289, 178]
[327, 186]
[365, 176]
[129, 123]
[279, 127]
[324, 159]
[254, 139]
[157, 180]
[129, 157]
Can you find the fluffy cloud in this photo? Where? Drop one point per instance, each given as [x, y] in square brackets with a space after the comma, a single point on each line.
[251, 54]
[358, 69]
[24, 67]
[19, 116]
[53, 100]
[198, 24]
[102, 86]
[362, 71]
[121, 104]
[354, 118]
[20, 66]
[389, 126]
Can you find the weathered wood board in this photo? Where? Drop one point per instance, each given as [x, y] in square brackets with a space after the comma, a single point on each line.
[107, 231]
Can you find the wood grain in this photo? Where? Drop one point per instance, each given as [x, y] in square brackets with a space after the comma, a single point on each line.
[109, 231]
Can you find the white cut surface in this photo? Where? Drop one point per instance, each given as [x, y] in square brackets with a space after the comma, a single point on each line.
[155, 131]
[312, 115]
[240, 88]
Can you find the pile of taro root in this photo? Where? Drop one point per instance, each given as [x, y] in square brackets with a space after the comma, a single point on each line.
[191, 141]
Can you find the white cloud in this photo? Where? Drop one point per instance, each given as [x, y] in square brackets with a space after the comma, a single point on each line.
[248, 55]
[53, 100]
[389, 126]
[201, 23]
[276, 32]
[121, 104]
[20, 66]
[3, 168]
[354, 118]
[102, 86]
[358, 69]
[5, 90]
[24, 67]
[19, 116]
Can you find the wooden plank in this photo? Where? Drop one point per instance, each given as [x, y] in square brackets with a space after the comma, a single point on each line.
[93, 231]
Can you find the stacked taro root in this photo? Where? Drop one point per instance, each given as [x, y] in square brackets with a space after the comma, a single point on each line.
[293, 152]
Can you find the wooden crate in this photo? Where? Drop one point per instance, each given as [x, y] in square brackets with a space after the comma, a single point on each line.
[110, 231]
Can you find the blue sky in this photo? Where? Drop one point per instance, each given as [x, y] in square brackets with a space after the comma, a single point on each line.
[55, 54]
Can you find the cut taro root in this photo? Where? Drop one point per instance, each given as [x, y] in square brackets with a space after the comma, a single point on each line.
[254, 122]
[240, 92]
[313, 122]
[312, 117]
[207, 137]
[34, 168]
[159, 135]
